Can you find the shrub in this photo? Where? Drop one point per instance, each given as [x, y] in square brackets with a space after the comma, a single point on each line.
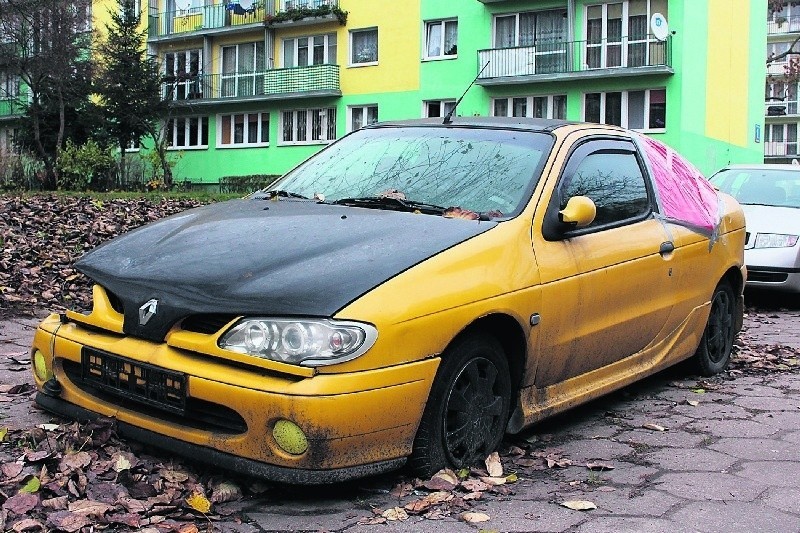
[85, 167]
[245, 184]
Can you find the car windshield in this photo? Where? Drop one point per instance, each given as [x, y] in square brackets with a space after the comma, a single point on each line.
[478, 169]
[775, 187]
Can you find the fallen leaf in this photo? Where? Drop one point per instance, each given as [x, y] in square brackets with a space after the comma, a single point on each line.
[444, 479]
[473, 485]
[699, 391]
[11, 470]
[472, 517]
[493, 481]
[511, 478]
[654, 427]
[693, 403]
[578, 505]
[28, 524]
[371, 521]
[21, 503]
[199, 503]
[75, 461]
[225, 492]
[395, 513]
[3, 433]
[69, 522]
[599, 466]
[493, 465]
[122, 461]
[31, 486]
[48, 427]
[89, 508]
[56, 504]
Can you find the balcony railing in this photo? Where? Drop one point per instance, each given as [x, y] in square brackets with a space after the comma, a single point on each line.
[783, 25]
[781, 149]
[314, 80]
[778, 108]
[232, 14]
[575, 56]
[10, 107]
[204, 18]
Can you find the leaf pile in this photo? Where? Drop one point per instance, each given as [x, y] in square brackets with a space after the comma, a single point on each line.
[79, 477]
[42, 236]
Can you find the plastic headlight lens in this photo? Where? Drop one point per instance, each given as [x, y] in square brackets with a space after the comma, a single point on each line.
[306, 342]
[775, 240]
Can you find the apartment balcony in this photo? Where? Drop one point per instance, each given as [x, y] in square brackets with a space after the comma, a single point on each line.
[777, 109]
[777, 68]
[314, 81]
[783, 26]
[781, 149]
[12, 107]
[575, 60]
[232, 17]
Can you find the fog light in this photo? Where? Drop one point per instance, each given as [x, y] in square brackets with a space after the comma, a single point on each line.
[290, 437]
[40, 366]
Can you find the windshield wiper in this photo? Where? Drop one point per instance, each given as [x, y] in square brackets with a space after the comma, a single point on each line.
[270, 195]
[395, 204]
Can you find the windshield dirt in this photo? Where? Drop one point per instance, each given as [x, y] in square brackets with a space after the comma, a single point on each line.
[477, 169]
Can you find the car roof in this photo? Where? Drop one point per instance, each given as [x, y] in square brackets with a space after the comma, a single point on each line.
[761, 166]
[532, 124]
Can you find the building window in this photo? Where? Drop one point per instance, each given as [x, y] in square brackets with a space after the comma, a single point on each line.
[361, 116]
[183, 71]
[644, 110]
[617, 34]
[545, 106]
[437, 108]
[243, 69]
[9, 85]
[8, 141]
[364, 47]
[308, 126]
[785, 19]
[441, 39]
[546, 31]
[313, 50]
[243, 129]
[83, 16]
[188, 132]
[780, 98]
[781, 140]
[134, 145]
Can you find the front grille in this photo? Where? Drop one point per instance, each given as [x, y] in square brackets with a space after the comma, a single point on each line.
[135, 381]
[197, 414]
[206, 323]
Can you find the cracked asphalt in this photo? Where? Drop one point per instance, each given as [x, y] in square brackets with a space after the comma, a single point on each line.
[727, 459]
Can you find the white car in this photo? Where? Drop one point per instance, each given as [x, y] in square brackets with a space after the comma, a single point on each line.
[770, 197]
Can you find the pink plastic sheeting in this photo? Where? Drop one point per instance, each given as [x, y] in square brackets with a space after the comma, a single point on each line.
[685, 194]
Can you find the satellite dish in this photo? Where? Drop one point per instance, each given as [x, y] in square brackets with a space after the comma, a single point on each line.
[246, 4]
[183, 5]
[795, 162]
[658, 26]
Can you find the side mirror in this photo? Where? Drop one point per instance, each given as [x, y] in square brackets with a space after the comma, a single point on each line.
[579, 212]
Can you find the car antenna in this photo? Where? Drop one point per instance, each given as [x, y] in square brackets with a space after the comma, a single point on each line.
[448, 118]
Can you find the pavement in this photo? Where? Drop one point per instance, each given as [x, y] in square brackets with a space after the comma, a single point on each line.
[679, 454]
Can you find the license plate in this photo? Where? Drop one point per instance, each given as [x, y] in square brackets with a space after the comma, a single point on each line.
[139, 382]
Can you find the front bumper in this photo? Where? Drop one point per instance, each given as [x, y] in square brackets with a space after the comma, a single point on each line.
[356, 424]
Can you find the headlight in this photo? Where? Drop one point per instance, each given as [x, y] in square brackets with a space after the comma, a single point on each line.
[305, 342]
[775, 240]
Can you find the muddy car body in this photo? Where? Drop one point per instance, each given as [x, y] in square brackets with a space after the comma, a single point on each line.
[408, 294]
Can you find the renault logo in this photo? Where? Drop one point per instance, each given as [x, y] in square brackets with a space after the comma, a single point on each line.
[147, 311]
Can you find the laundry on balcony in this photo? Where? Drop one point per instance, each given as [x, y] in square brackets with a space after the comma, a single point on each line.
[243, 7]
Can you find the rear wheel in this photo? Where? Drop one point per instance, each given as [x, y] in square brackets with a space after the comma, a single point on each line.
[467, 410]
[714, 352]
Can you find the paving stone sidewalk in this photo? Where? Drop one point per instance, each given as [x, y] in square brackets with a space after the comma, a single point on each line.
[728, 459]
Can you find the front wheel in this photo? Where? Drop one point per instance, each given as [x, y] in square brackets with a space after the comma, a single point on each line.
[714, 352]
[467, 410]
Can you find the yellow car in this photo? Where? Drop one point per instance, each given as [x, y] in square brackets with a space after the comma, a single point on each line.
[407, 295]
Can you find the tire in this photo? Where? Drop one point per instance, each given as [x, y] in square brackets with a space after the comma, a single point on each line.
[467, 410]
[714, 352]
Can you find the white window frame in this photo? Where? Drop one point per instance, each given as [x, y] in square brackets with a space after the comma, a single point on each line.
[625, 39]
[442, 36]
[351, 51]
[529, 105]
[364, 108]
[173, 133]
[190, 82]
[325, 127]
[778, 93]
[624, 110]
[241, 71]
[782, 147]
[293, 42]
[261, 116]
[444, 106]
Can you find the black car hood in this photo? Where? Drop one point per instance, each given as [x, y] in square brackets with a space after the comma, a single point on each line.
[262, 257]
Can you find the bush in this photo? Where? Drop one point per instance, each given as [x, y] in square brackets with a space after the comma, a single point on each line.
[245, 184]
[85, 167]
[20, 171]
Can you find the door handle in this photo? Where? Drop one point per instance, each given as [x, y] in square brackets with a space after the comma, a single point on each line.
[666, 248]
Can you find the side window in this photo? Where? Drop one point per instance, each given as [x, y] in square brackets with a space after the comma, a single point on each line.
[613, 180]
